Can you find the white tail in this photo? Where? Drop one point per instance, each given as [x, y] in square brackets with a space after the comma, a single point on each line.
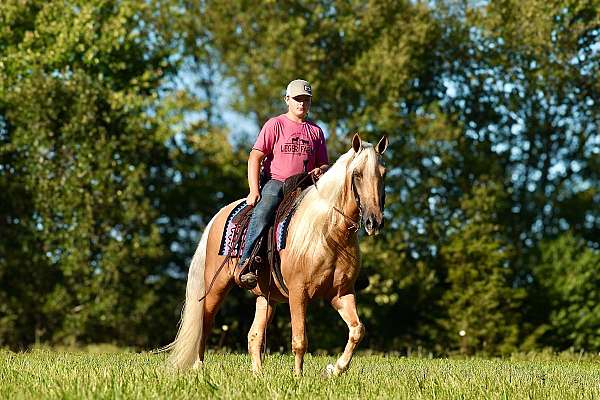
[184, 349]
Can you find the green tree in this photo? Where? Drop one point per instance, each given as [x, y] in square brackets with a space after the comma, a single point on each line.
[480, 304]
[79, 145]
[114, 155]
[96, 162]
[528, 90]
[471, 94]
[568, 280]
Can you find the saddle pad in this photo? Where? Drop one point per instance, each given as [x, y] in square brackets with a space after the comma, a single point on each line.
[227, 246]
[235, 249]
[281, 228]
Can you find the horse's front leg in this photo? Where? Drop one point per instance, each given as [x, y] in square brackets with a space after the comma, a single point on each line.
[346, 306]
[256, 336]
[298, 302]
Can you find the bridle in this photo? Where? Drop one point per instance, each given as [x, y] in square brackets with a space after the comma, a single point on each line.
[354, 226]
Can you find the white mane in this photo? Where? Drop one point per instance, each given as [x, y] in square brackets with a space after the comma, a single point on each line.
[315, 219]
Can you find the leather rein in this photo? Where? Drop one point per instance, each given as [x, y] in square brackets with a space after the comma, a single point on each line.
[354, 226]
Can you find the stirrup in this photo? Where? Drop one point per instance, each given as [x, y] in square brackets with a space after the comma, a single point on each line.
[248, 280]
[243, 277]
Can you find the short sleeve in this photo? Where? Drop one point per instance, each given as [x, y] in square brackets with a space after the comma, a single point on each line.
[322, 157]
[267, 137]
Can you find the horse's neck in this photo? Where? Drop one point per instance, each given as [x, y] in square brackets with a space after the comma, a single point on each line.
[343, 237]
[347, 209]
[321, 232]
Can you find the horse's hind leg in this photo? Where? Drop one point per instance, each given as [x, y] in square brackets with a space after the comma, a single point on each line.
[256, 336]
[346, 307]
[213, 300]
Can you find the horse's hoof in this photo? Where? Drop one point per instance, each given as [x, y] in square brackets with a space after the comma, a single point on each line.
[198, 364]
[329, 370]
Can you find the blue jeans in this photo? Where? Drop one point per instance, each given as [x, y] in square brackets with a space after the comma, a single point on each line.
[263, 214]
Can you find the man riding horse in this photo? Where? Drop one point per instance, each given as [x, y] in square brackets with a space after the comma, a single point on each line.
[321, 256]
[288, 144]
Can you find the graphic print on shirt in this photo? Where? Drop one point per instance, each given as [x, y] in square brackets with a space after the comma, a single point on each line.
[297, 146]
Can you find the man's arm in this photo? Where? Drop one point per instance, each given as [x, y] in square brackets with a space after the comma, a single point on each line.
[322, 161]
[254, 160]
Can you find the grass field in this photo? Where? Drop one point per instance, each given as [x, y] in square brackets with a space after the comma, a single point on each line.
[126, 375]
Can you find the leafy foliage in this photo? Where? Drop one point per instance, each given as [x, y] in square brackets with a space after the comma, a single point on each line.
[86, 144]
[114, 154]
[481, 305]
[568, 278]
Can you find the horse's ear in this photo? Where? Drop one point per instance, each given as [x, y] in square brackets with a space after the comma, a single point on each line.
[382, 145]
[356, 142]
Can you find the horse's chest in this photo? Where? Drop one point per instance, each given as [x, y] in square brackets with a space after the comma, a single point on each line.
[331, 275]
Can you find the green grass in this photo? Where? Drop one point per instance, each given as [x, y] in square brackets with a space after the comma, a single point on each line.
[44, 373]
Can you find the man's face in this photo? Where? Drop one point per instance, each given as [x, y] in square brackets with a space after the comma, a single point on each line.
[299, 105]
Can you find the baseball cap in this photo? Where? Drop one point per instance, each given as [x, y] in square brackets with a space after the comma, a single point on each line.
[298, 87]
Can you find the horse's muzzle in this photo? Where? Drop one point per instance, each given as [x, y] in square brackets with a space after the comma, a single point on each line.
[373, 225]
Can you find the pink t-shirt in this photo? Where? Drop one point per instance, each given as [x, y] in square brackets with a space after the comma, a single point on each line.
[287, 144]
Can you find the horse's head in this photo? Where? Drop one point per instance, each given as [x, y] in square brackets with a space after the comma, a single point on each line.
[367, 182]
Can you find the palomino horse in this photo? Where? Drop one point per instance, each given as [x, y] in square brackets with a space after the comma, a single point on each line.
[321, 259]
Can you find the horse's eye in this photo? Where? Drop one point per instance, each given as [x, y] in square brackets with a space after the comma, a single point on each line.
[357, 175]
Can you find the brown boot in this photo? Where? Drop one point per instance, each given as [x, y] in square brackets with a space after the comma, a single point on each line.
[244, 278]
[248, 280]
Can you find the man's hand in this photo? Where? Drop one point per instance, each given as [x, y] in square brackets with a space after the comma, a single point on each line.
[317, 172]
[253, 198]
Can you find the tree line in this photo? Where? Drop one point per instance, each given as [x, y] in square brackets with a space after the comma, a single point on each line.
[115, 154]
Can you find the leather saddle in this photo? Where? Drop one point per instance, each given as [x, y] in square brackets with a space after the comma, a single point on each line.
[264, 254]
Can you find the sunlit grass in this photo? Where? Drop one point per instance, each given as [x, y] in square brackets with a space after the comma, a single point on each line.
[44, 373]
